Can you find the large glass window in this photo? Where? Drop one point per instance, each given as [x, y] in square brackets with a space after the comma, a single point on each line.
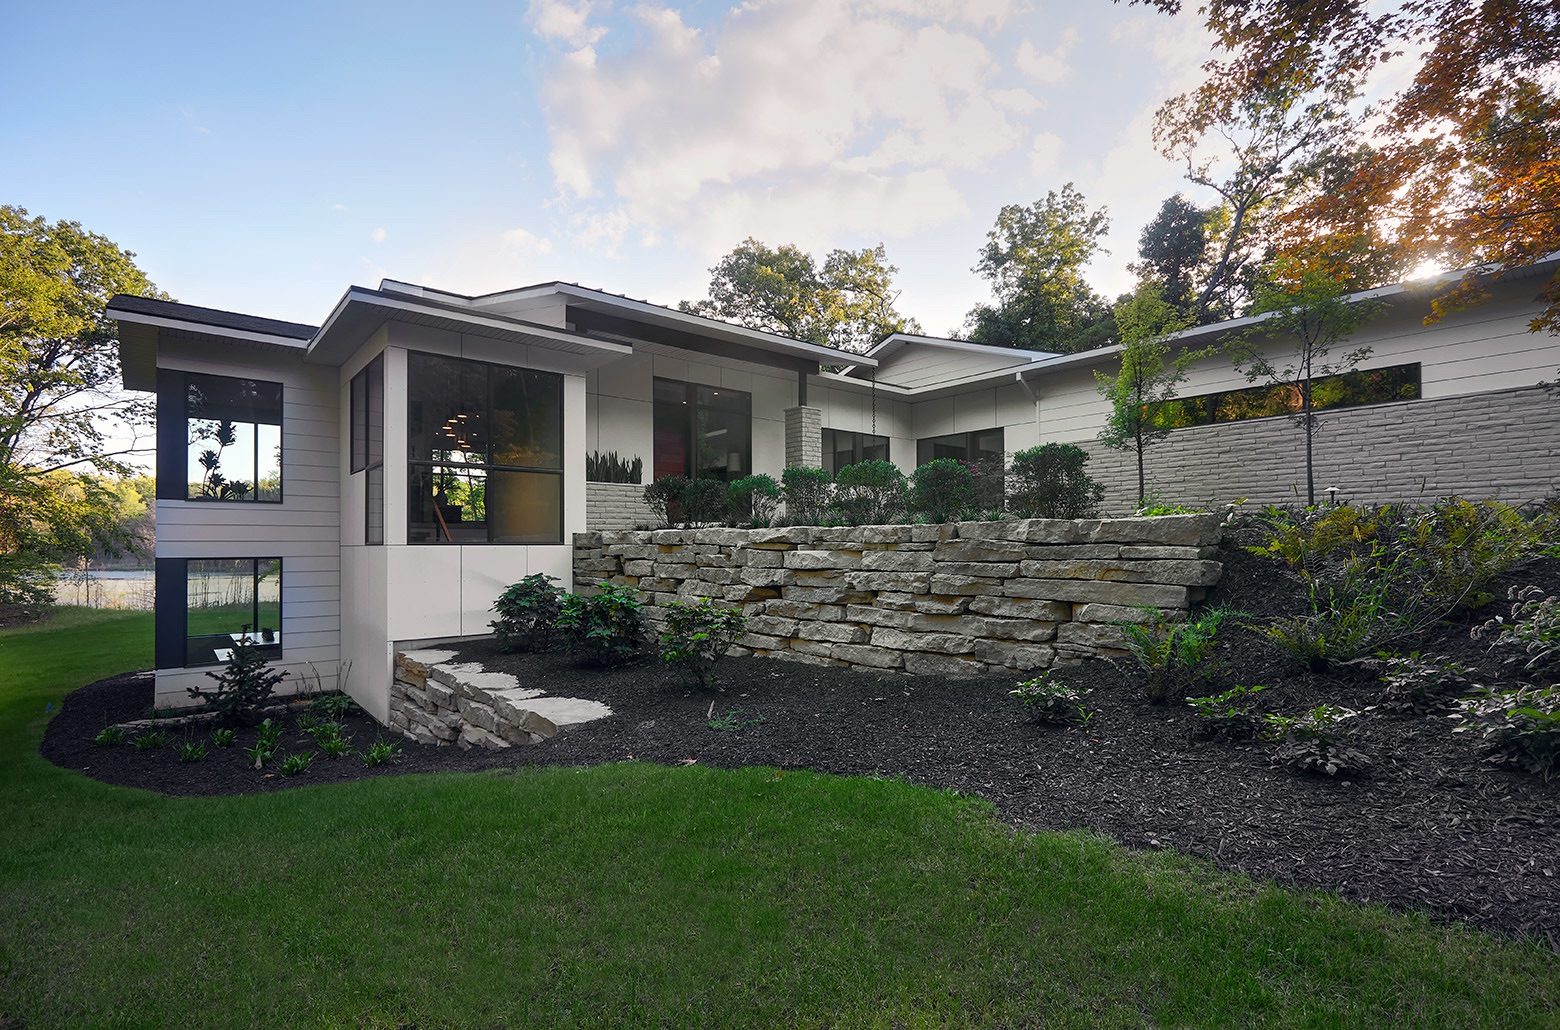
[485, 450]
[977, 446]
[234, 431]
[842, 447]
[368, 445]
[226, 599]
[1351, 389]
[702, 431]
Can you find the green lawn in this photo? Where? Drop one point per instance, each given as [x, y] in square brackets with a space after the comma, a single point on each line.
[639, 896]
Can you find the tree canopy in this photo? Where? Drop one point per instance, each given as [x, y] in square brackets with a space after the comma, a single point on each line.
[1035, 258]
[847, 302]
[61, 408]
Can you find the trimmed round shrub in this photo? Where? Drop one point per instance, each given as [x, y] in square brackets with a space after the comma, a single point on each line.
[806, 492]
[870, 493]
[942, 490]
[1049, 482]
[752, 500]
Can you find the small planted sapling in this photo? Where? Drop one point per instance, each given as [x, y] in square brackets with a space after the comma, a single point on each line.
[1519, 728]
[244, 685]
[697, 636]
[605, 629]
[528, 614]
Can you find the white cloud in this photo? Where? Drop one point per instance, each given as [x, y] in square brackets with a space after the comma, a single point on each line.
[567, 22]
[1048, 67]
[1045, 153]
[523, 241]
[813, 117]
[378, 235]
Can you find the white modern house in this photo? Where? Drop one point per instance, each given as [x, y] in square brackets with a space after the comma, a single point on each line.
[347, 488]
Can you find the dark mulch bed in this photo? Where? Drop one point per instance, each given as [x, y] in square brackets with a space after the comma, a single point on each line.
[1432, 827]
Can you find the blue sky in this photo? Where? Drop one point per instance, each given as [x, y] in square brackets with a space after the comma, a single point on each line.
[264, 157]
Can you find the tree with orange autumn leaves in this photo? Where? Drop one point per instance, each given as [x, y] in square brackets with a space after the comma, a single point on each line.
[1459, 168]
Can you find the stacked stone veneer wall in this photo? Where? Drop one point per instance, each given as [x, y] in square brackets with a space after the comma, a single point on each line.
[432, 705]
[960, 598]
[1503, 444]
[616, 506]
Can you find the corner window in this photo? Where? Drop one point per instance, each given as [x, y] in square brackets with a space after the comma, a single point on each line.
[368, 445]
[1347, 390]
[842, 448]
[702, 431]
[234, 433]
[987, 443]
[485, 450]
[226, 600]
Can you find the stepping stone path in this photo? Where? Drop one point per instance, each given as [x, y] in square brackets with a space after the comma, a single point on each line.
[438, 701]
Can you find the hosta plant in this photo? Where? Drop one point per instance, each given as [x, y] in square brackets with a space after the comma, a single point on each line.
[109, 736]
[192, 751]
[294, 764]
[379, 752]
[1050, 702]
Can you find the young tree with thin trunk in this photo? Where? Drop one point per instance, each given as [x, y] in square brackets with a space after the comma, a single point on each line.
[1147, 377]
[1309, 309]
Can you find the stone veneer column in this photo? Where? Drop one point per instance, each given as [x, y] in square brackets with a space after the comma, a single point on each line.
[804, 437]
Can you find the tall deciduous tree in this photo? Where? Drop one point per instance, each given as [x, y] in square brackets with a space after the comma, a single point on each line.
[1308, 314]
[1173, 252]
[1034, 258]
[847, 302]
[1464, 156]
[60, 404]
[1147, 377]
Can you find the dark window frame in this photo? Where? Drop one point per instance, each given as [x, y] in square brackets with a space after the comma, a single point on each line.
[858, 446]
[369, 464]
[281, 441]
[171, 620]
[489, 466]
[1206, 405]
[691, 427]
[970, 451]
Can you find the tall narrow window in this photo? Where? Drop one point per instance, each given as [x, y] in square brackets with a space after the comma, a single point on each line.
[702, 431]
[234, 432]
[842, 447]
[227, 600]
[485, 450]
[368, 445]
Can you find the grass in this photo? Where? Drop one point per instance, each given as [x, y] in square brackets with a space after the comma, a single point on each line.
[637, 895]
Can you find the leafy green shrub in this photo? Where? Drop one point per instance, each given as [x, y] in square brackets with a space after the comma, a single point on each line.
[605, 629]
[109, 736]
[1419, 684]
[1173, 655]
[1232, 715]
[322, 731]
[870, 493]
[1315, 742]
[1049, 482]
[527, 614]
[334, 705]
[151, 740]
[704, 502]
[1519, 728]
[806, 492]
[379, 753]
[942, 490]
[609, 468]
[697, 636]
[753, 500]
[297, 763]
[664, 498]
[192, 751]
[223, 736]
[989, 477]
[1052, 703]
[244, 685]
[1530, 636]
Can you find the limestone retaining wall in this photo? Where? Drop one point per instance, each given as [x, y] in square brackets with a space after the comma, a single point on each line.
[959, 598]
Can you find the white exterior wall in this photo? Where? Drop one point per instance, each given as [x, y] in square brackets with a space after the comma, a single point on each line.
[302, 531]
[365, 581]
[1007, 405]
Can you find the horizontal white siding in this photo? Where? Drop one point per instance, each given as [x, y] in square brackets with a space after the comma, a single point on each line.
[926, 364]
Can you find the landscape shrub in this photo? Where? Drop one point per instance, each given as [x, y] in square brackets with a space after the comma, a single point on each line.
[527, 614]
[664, 498]
[244, 685]
[704, 502]
[1519, 727]
[870, 493]
[1173, 656]
[1049, 482]
[1052, 703]
[1316, 742]
[336, 704]
[1415, 684]
[806, 492]
[1529, 637]
[605, 629]
[1233, 715]
[752, 500]
[697, 636]
[989, 476]
[942, 490]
